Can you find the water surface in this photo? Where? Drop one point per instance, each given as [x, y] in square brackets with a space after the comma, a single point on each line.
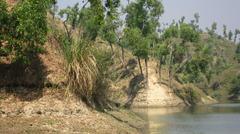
[212, 119]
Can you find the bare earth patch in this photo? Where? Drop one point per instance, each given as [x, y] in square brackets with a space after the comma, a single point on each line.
[52, 113]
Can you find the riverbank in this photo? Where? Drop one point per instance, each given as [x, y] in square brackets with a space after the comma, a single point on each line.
[24, 110]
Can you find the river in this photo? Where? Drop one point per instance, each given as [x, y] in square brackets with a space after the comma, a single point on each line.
[211, 119]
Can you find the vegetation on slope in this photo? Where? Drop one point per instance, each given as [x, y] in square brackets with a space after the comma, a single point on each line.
[191, 57]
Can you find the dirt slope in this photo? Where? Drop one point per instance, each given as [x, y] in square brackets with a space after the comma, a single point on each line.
[156, 95]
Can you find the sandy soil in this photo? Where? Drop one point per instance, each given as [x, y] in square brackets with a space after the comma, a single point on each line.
[156, 95]
[51, 113]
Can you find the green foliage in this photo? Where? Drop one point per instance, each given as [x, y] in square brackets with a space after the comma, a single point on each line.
[72, 15]
[238, 53]
[141, 50]
[189, 94]
[238, 49]
[196, 16]
[3, 15]
[213, 29]
[225, 31]
[134, 39]
[138, 15]
[194, 68]
[187, 33]
[25, 29]
[97, 18]
[108, 31]
[236, 33]
[162, 50]
[230, 35]
[142, 20]
[4, 22]
[235, 89]
[171, 32]
[80, 66]
[31, 16]
[90, 19]
[54, 9]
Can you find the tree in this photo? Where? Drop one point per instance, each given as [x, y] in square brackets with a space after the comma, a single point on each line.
[171, 32]
[238, 53]
[230, 34]
[182, 20]
[172, 44]
[144, 15]
[97, 18]
[25, 28]
[54, 9]
[89, 19]
[4, 23]
[238, 49]
[161, 53]
[187, 33]
[213, 29]
[235, 89]
[196, 17]
[176, 38]
[236, 33]
[133, 39]
[225, 31]
[72, 15]
[111, 22]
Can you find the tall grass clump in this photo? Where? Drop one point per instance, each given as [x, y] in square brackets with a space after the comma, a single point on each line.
[81, 68]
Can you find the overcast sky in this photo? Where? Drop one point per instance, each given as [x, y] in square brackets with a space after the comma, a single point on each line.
[222, 11]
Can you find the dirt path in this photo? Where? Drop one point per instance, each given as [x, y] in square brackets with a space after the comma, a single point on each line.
[156, 95]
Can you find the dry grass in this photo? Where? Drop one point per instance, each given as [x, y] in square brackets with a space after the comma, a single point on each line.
[81, 70]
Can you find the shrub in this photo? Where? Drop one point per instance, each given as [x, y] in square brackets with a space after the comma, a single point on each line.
[235, 89]
[189, 94]
[24, 29]
[81, 68]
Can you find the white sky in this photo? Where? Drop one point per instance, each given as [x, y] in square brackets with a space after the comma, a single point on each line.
[221, 11]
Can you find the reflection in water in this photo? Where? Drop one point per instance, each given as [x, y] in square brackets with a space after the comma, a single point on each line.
[212, 119]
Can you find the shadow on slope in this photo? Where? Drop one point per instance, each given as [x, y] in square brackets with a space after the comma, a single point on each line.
[25, 82]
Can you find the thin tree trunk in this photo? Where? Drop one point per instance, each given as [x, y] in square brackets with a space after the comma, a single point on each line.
[146, 67]
[170, 68]
[140, 66]
[67, 31]
[112, 49]
[160, 71]
[235, 38]
[123, 58]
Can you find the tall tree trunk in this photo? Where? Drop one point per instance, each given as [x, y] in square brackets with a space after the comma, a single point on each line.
[140, 66]
[170, 67]
[112, 49]
[160, 71]
[235, 38]
[146, 67]
[123, 58]
[67, 31]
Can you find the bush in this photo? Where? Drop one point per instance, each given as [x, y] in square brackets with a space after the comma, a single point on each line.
[81, 67]
[235, 89]
[188, 33]
[24, 29]
[85, 67]
[189, 94]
